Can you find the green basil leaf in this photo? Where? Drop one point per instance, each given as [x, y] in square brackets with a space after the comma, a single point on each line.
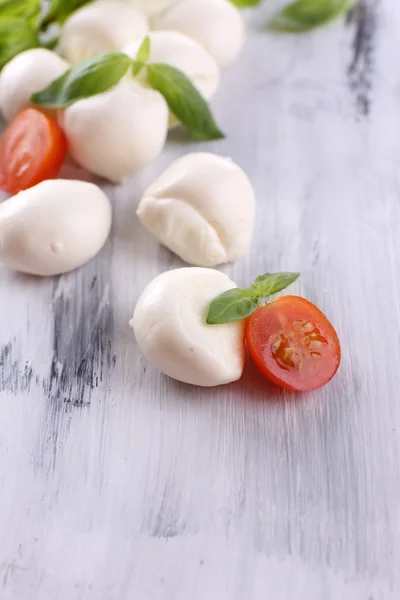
[233, 305]
[143, 54]
[29, 10]
[245, 3]
[16, 35]
[137, 66]
[272, 283]
[303, 15]
[141, 57]
[184, 100]
[87, 78]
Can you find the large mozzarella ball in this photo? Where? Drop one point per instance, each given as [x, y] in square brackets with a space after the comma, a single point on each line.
[117, 133]
[54, 227]
[27, 73]
[99, 27]
[152, 7]
[202, 208]
[215, 24]
[185, 54]
[170, 328]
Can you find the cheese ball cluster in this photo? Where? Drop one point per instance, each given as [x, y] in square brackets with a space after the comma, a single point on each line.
[202, 208]
[198, 37]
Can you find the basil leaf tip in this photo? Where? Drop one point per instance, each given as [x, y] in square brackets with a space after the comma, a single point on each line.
[143, 54]
[239, 303]
[272, 283]
[184, 100]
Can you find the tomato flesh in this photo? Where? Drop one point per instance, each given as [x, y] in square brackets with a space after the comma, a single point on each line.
[32, 149]
[293, 343]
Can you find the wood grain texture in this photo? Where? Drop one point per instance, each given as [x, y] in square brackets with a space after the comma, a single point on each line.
[118, 483]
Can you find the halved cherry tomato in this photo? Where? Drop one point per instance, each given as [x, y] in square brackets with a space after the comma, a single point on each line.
[293, 343]
[32, 149]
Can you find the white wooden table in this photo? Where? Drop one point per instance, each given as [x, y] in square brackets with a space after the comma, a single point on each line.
[117, 483]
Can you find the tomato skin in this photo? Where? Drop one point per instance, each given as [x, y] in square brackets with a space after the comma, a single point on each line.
[32, 149]
[293, 344]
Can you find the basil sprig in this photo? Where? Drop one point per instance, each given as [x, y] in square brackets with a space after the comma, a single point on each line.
[28, 10]
[100, 73]
[16, 35]
[303, 15]
[239, 303]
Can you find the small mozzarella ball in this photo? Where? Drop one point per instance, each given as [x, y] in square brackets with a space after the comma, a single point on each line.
[152, 7]
[215, 24]
[170, 328]
[117, 133]
[54, 227]
[202, 208]
[27, 73]
[185, 54]
[99, 27]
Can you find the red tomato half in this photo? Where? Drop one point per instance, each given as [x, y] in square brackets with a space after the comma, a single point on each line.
[293, 343]
[32, 149]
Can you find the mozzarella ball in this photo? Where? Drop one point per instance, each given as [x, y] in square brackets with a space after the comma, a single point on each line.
[99, 27]
[170, 328]
[152, 7]
[27, 73]
[202, 208]
[185, 54]
[215, 24]
[117, 133]
[54, 227]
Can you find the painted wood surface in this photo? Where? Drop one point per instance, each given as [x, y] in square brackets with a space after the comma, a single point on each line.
[117, 483]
